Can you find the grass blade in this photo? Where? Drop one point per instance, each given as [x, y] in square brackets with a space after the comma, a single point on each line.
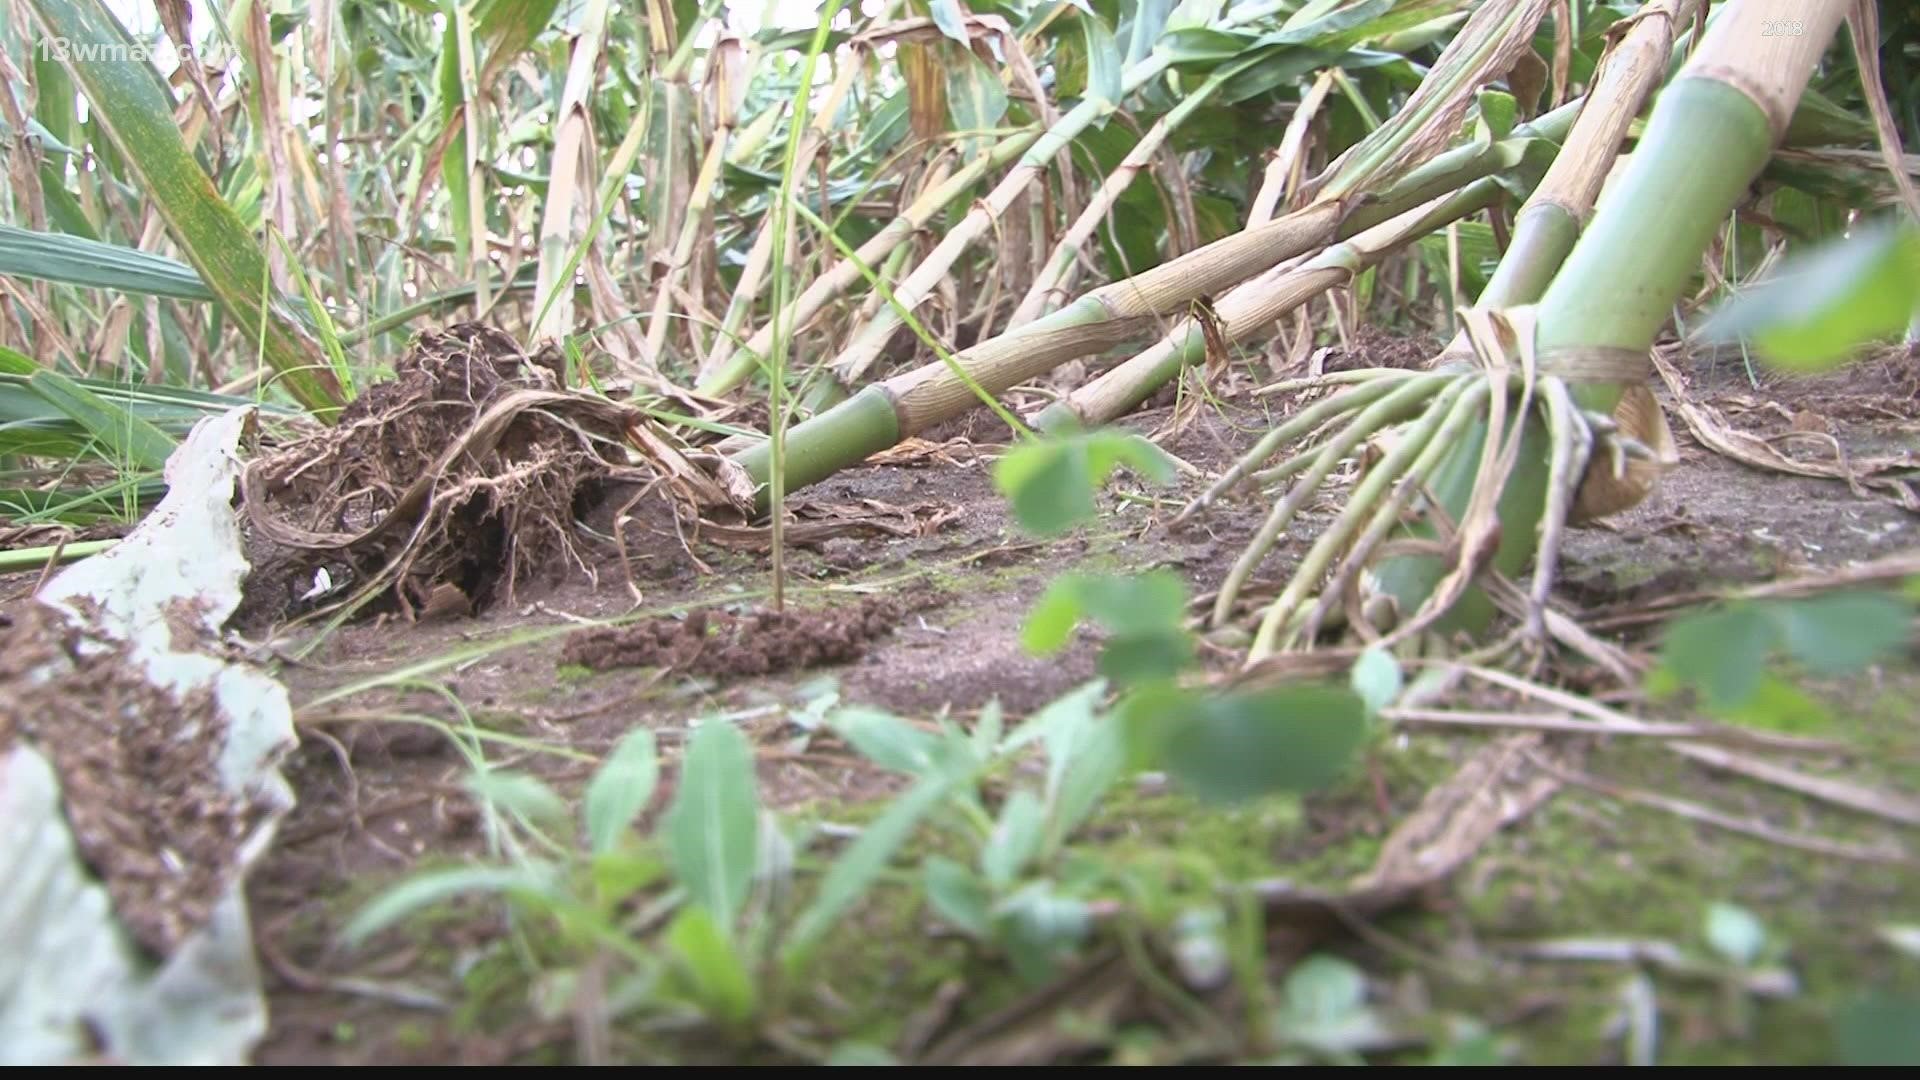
[132, 440]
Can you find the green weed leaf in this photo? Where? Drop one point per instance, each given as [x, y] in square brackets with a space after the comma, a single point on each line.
[1721, 653]
[1015, 838]
[518, 793]
[1377, 679]
[1840, 633]
[713, 825]
[1878, 1028]
[1200, 946]
[1049, 486]
[1734, 933]
[1050, 624]
[1141, 614]
[886, 740]
[958, 895]
[1042, 927]
[1231, 747]
[619, 874]
[1820, 307]
[986, 730]
[425, 890]
[621, 788]
[1778, 705]
[1051, 482]
[1325, 988]
[713, 965]
[1325, 1007]
[857, 868]
[1139, 604]
[1083, 771]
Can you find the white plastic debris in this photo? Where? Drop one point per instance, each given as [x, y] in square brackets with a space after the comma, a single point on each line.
[74, 984]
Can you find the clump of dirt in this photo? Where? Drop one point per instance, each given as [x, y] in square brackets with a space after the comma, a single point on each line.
[139, 774]
[755, 643]
[1375, 347]
[466, 470]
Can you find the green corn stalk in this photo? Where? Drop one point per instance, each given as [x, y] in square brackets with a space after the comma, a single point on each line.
[1710, 134]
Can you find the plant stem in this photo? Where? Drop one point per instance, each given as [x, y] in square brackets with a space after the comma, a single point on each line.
[1709, 135]
[828, 286]
[782, 226]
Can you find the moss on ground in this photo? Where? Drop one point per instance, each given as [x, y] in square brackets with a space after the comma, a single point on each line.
[1586, 866]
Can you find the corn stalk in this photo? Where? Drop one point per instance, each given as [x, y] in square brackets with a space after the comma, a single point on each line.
[827, 287]
[728, 64]
[1035, 302]
[1126, 385]
[1035, 154]
[898, 408]
[1505, 474]
[753, 275]
[564, 180]
[1492, 30]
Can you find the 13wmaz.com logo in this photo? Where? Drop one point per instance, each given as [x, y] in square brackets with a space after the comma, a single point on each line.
[68, 51]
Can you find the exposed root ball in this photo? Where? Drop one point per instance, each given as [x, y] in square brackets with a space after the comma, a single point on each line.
[466, 470]
[718, 643]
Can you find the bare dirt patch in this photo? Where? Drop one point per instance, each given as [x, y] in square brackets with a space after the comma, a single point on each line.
[749, 643]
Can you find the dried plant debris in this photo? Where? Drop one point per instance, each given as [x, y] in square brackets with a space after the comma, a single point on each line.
[814, 523]
[756, 643]
[138, 783]
[18, 537]
[1888, 476]
[467, 469]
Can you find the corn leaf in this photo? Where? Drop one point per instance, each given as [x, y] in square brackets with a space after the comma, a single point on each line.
[130, 439]
[135, 110]
[76, 260]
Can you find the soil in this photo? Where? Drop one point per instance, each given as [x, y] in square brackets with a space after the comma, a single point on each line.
[753, 643]
[138, 769]
[926, 622]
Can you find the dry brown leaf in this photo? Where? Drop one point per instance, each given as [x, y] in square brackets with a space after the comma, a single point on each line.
[1872, 477]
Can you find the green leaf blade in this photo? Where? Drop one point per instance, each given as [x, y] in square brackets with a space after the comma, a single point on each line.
[713, 826]
[132, 439]
[713, 965]
[621, 788]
